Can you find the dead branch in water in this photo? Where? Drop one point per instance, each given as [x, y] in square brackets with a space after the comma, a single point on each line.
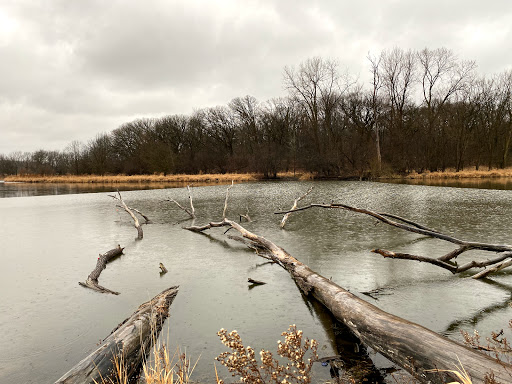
[92, 279]
[294, 207]
[191, 212]
[226, 201]
[411, 346]
[136, 223]
[445, 261]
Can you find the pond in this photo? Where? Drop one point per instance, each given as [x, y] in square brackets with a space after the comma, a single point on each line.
[49, 243]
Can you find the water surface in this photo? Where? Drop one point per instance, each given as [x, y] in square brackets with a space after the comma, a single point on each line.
[49, 243]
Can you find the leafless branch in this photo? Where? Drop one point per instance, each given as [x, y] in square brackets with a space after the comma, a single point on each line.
[294, 207]
[504, 251]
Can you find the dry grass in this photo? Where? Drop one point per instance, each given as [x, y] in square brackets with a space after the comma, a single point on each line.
[155, 178]
[141, 179]
[465, 174]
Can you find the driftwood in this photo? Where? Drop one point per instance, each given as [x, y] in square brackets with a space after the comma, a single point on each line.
[257, 282]
[420, 351]
[191, 212]
[294, 207]
[129, 342]
[445, 261]
[136, 223]
[101, 264]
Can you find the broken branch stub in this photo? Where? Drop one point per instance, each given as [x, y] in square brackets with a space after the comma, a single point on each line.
[416, 349]
[504, 251]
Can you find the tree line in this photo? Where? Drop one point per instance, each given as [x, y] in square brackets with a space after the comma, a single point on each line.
[422, 110]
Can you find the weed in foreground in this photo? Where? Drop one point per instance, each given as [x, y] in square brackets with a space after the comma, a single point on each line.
[241, 360]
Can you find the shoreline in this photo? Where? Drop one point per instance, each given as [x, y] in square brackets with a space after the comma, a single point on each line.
[247, 177]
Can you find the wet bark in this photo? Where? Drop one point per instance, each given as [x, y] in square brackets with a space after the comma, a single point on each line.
[132, 339]
[420, 351]
[101, 264]
[446, 261]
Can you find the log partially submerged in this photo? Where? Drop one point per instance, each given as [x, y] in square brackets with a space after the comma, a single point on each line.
[504, 251]
[132, 339]
[423, 353]
[101, 264]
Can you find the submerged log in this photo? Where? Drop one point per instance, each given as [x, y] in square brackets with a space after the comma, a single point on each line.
[423, 353]
[129, 343]
[101, 264]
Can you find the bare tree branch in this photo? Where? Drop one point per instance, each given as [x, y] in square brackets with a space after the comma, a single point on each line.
[191, 212]
[226, 201]
[286, 216]
[504, 250]
[136, 223]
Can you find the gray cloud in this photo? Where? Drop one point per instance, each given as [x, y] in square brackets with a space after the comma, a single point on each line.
[71, 69]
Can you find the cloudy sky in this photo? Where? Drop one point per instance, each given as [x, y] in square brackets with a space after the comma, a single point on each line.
[70, 69]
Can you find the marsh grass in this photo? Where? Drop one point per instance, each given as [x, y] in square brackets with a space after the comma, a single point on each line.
[464, 174]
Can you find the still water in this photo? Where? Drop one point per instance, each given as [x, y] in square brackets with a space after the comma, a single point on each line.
[49, 243]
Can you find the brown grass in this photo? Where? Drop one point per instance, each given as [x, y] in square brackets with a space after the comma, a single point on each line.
[155, 178]
[141, 179]
[464, 174]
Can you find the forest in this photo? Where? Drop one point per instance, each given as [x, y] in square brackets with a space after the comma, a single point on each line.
[421, 110]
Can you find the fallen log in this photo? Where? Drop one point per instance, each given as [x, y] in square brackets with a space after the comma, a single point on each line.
[423, 353]
[129, 343]
[504, 251]
[136, 223]
[101, 264]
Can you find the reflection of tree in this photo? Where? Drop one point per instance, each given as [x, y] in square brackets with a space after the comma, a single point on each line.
[353, 359]
[485, 312]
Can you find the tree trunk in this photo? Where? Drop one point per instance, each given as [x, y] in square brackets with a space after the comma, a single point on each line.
[129, 343]
[422, 352]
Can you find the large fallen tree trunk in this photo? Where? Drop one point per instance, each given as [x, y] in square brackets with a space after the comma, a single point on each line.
[446, 261]
[101, 264]
[129, 343]
[422, 352]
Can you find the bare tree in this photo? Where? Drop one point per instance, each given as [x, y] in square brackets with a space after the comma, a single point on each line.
[375, 64]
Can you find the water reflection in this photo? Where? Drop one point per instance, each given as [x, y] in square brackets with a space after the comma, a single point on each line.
[16, 189]
[481, 183]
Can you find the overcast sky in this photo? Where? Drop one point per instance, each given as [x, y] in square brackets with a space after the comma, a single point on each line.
[71, 69]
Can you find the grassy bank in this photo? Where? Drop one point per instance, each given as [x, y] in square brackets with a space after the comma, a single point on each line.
[244, 177]
[452, 174]
[141, 179]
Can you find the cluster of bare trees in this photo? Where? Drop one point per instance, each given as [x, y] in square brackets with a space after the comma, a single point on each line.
[425, 110]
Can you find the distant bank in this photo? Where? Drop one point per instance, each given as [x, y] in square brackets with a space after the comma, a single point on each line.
[244, 177]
